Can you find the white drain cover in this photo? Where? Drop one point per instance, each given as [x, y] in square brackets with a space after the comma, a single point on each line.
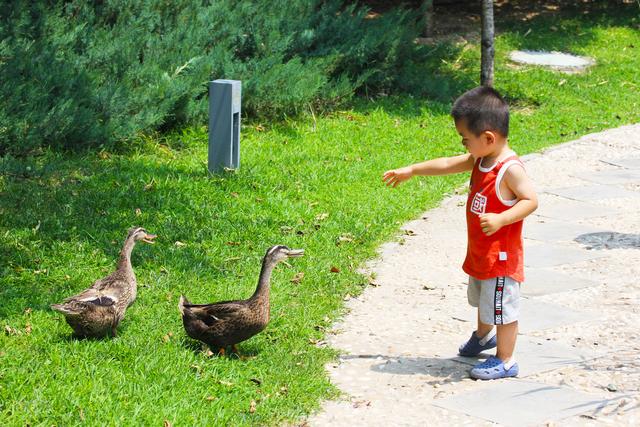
[551, 59]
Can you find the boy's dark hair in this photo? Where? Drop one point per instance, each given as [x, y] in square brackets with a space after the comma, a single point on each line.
[482, 109]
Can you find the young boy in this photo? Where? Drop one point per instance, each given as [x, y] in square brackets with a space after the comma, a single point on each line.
[500, 197]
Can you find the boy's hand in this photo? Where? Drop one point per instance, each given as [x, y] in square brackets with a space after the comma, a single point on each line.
[491, 223]
[394, 177]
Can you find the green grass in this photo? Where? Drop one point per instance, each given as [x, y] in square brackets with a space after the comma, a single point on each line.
[63, 218]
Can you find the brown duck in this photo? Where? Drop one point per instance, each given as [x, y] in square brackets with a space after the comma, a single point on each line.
[227, 323]
[97, 311]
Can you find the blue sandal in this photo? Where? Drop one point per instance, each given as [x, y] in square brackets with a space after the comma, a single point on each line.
[473, 347]
[493, 369]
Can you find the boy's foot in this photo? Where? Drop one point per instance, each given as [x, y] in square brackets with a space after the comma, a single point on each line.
[475, 345]
[493, 369]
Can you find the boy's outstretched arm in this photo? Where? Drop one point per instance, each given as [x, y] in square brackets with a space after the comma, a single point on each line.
[520, 184]
[440, 166]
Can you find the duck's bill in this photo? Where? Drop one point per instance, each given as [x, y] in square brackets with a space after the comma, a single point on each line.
[148, 238]
[293, 253]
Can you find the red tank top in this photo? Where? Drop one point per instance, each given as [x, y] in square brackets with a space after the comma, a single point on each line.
[500, 254]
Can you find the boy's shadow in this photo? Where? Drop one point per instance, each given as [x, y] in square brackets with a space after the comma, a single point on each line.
[440, 369]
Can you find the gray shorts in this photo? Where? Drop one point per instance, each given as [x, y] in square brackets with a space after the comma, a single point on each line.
[497, 299]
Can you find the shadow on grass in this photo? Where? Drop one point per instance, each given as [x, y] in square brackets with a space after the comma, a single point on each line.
[61, 219]
[198, 348]
[563, 25]
[71, 337]
[439, 77]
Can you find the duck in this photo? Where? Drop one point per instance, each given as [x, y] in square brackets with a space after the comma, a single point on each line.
[227, 323]
[97, 311]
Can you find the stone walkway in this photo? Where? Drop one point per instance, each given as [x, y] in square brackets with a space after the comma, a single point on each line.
[579, 345]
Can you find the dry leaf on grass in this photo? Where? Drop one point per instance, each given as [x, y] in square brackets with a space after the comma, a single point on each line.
[345, 238]
[297, 278]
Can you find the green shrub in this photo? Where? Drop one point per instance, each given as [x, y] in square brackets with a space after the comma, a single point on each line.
[79, 74]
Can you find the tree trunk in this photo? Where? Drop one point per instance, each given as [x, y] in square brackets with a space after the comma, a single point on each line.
[427, 6]
[486, 69]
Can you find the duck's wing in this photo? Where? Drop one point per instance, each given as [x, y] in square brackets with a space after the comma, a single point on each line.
[226, 311]
[96, 297]
[87, 301]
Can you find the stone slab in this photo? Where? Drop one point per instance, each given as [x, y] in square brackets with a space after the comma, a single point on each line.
[571, 210]
[611, 177]
[555, 231]
[540, 281]
[521, 403]
[534, 315]
[536, 355]
[588, 193]
[625, 163]
[549, 255]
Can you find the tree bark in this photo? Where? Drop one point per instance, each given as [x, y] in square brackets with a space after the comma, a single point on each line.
[488, 51]
[427, 6]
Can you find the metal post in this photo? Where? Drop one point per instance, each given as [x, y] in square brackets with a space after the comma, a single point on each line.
[224, 125]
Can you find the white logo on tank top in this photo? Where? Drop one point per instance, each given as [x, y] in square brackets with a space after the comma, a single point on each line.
[479, 204]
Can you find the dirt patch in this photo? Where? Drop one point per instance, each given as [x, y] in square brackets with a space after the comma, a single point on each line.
[461, 18]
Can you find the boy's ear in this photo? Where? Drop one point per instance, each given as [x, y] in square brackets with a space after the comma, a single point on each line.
[489, 136]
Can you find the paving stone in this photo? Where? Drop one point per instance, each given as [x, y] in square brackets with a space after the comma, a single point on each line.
[536, 355]
[587, 193]
[555, 231]
[549, 255]
[519, 403]
[611, 177]
[540, 281]
[625, 163]
[571, 210]
[535, 315]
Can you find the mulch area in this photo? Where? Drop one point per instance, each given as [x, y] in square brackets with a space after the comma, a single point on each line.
[461, 17]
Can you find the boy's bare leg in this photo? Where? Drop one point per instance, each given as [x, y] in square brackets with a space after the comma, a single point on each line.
[507, 335]
[483, 328]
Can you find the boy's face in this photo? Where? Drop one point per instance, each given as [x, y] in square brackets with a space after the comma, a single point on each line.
[477, 145]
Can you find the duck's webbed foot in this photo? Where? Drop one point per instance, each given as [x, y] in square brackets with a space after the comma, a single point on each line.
[221, 351]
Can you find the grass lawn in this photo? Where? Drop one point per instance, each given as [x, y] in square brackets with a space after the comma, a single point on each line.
[311, 184]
